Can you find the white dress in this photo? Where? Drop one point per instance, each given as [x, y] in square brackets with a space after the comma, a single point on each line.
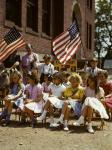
[56, 92]
[93, 101]
[36, 107]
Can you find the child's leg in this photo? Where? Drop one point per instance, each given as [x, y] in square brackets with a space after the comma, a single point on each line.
[63, 112]
[89, 113]
[66, 118]
[46, 108]
[30, 114]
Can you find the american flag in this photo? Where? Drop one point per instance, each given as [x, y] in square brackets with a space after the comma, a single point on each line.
[11, 41]
[67, 43]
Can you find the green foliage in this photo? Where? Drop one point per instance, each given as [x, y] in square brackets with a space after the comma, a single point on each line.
[103, 25]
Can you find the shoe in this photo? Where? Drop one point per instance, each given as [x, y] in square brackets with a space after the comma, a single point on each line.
[66, 129]
[76, 124]
[90, 129]
[54, 125]
[79, 122]
[40, 118]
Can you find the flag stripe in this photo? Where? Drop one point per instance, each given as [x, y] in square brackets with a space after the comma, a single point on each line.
[20, 45]
[10, 42]
[67, 43]
[61, 43]
[69, 52]
[11, 49]
[60, 36]
[72, 52]
[10, 45]
[61, 54]
[2, 43]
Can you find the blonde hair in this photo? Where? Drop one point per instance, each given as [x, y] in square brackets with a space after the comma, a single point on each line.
[77, 77]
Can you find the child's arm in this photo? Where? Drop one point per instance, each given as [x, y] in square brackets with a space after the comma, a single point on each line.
[39, 98]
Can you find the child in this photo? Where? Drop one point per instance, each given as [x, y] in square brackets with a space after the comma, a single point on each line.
[56, 90]
[16, 92]
[73, 95]
[34, 101]
[107, 86]
[66, 76]
[94, 97]
[47, 82]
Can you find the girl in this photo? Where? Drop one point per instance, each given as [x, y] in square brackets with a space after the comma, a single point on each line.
[47, 82]
[34, 101]
[56, 90]
[15, 96]
[73, 95]
[107, 86]
[66, 76]
[94, 97]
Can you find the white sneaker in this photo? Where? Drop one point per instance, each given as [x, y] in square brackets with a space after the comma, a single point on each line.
[40, 118]
[59, 121]
[54, 125]
[66, 129]
[79, 122]
[76, 124]
[89, 128]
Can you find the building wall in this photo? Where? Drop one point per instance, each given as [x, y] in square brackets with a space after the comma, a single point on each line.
[41, 43]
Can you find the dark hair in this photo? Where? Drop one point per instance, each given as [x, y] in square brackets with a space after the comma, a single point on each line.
[95, 80]
[33, 77]
[58, 75]
[49, 77]
[104, 72]
[47, 56]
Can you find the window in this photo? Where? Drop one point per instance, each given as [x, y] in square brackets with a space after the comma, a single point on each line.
[57, 17]
[89, 4]
[13, 11]
[46, 16]
[87, 33]
[89, 36]
[32, 14]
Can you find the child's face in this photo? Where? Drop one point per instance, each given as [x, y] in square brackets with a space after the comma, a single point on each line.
[15, 78]
[91, 83]
[57, 81]
[30, 81]
[101, 77]
[74, 82]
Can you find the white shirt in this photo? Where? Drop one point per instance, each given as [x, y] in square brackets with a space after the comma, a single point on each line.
[46, 69]
[57, 89]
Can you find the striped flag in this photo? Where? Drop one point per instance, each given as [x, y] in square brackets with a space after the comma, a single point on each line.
[67, 43]
[11, 41]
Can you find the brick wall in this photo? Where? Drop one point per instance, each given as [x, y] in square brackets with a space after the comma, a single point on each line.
[43, 44]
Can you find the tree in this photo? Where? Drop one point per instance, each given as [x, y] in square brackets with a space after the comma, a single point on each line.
[103, 25]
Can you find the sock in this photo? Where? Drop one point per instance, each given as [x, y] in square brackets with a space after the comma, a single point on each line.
[66, 123]
[81, 120]
[8, 117]
[44, 114]
[61, 117]
[51, 119]
[4, 113]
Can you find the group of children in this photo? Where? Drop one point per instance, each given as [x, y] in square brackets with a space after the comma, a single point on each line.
[83, 94]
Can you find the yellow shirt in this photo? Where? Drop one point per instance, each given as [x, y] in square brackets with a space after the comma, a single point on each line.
[76, 93]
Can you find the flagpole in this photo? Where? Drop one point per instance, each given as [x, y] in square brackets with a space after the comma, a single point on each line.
[80, 38]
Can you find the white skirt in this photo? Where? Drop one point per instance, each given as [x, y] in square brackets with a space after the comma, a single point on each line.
[96, 105]
[57, 103]
[20, 103]
[35, 107]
